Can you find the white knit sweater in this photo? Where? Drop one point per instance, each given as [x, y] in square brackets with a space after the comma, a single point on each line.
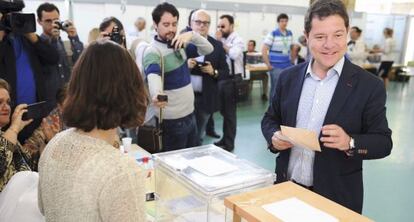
[86, 179]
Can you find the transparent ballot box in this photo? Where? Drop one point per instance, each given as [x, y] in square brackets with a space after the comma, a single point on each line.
[191, 184]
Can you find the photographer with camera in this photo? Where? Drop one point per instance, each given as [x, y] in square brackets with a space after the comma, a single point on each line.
[48, 16]
[22, 57]
[111, 28]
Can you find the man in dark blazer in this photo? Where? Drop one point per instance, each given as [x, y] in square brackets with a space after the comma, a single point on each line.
[205, 72]
[336, 99]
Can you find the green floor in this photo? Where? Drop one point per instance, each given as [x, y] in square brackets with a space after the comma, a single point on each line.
[387, 182]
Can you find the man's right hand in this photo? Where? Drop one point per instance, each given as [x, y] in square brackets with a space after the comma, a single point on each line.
[55, 31]
[280, 144]
[157, 103]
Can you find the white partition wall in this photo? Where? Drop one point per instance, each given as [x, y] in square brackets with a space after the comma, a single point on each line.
[253, 24]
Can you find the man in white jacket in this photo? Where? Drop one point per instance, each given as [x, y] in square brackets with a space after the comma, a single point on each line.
[356, 47]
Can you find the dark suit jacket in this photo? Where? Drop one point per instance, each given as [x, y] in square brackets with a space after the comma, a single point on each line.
[210, 97]
[40, 54]
[300, 59]
[358, 106]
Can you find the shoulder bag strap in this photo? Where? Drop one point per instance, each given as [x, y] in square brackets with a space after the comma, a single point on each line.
[159, 124]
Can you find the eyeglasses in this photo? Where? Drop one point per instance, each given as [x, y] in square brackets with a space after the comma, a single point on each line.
[199, 22]
[221, 26]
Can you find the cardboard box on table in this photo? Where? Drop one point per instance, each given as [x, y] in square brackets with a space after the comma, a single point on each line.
[249, 206]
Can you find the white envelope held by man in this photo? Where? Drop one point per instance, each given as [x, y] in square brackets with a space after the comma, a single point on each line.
[300, 137]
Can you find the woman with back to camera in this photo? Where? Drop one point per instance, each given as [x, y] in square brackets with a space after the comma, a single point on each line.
[83, 176]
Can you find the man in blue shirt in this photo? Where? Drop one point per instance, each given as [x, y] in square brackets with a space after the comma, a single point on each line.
[22, 57]
[276, 50]
[336, 99]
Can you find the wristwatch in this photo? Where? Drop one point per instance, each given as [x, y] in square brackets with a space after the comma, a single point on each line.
[215, 73]
[350, 151]
[351, 144]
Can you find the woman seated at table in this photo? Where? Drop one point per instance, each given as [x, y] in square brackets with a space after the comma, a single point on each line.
[82, 174]
[13, 157]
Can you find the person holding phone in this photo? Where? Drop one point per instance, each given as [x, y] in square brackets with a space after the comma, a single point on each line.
[205, 72]
[179, 125]
[13, 157]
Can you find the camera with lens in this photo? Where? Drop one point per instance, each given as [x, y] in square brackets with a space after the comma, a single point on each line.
[62, 25]
[116, 36]
[14, 21]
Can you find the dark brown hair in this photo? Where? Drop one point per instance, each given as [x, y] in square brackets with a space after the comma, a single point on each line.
[357, 29]
[282, 16]
[323, 8]
[162, 8]
[389, 31]
[4, 85]
[105, 90]
[229, 18]
[47, 7]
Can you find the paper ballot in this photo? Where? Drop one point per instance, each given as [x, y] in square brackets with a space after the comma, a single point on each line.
[301, 137]
[295, 210]
[211, 166]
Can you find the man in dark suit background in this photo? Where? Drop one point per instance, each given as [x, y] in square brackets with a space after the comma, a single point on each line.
[205, 72]
[295, 57]
[336, 99]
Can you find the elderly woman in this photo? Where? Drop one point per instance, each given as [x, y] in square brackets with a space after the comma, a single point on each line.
[12, 157]
[83, 176]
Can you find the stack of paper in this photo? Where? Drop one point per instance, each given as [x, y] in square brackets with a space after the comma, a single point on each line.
[295, 210]
[211, 166]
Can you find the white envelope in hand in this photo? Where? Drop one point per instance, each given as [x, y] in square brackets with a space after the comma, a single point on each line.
[301, 137]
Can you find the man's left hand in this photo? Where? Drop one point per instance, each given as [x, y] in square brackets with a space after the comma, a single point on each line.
[333, 136]
[71, 30]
